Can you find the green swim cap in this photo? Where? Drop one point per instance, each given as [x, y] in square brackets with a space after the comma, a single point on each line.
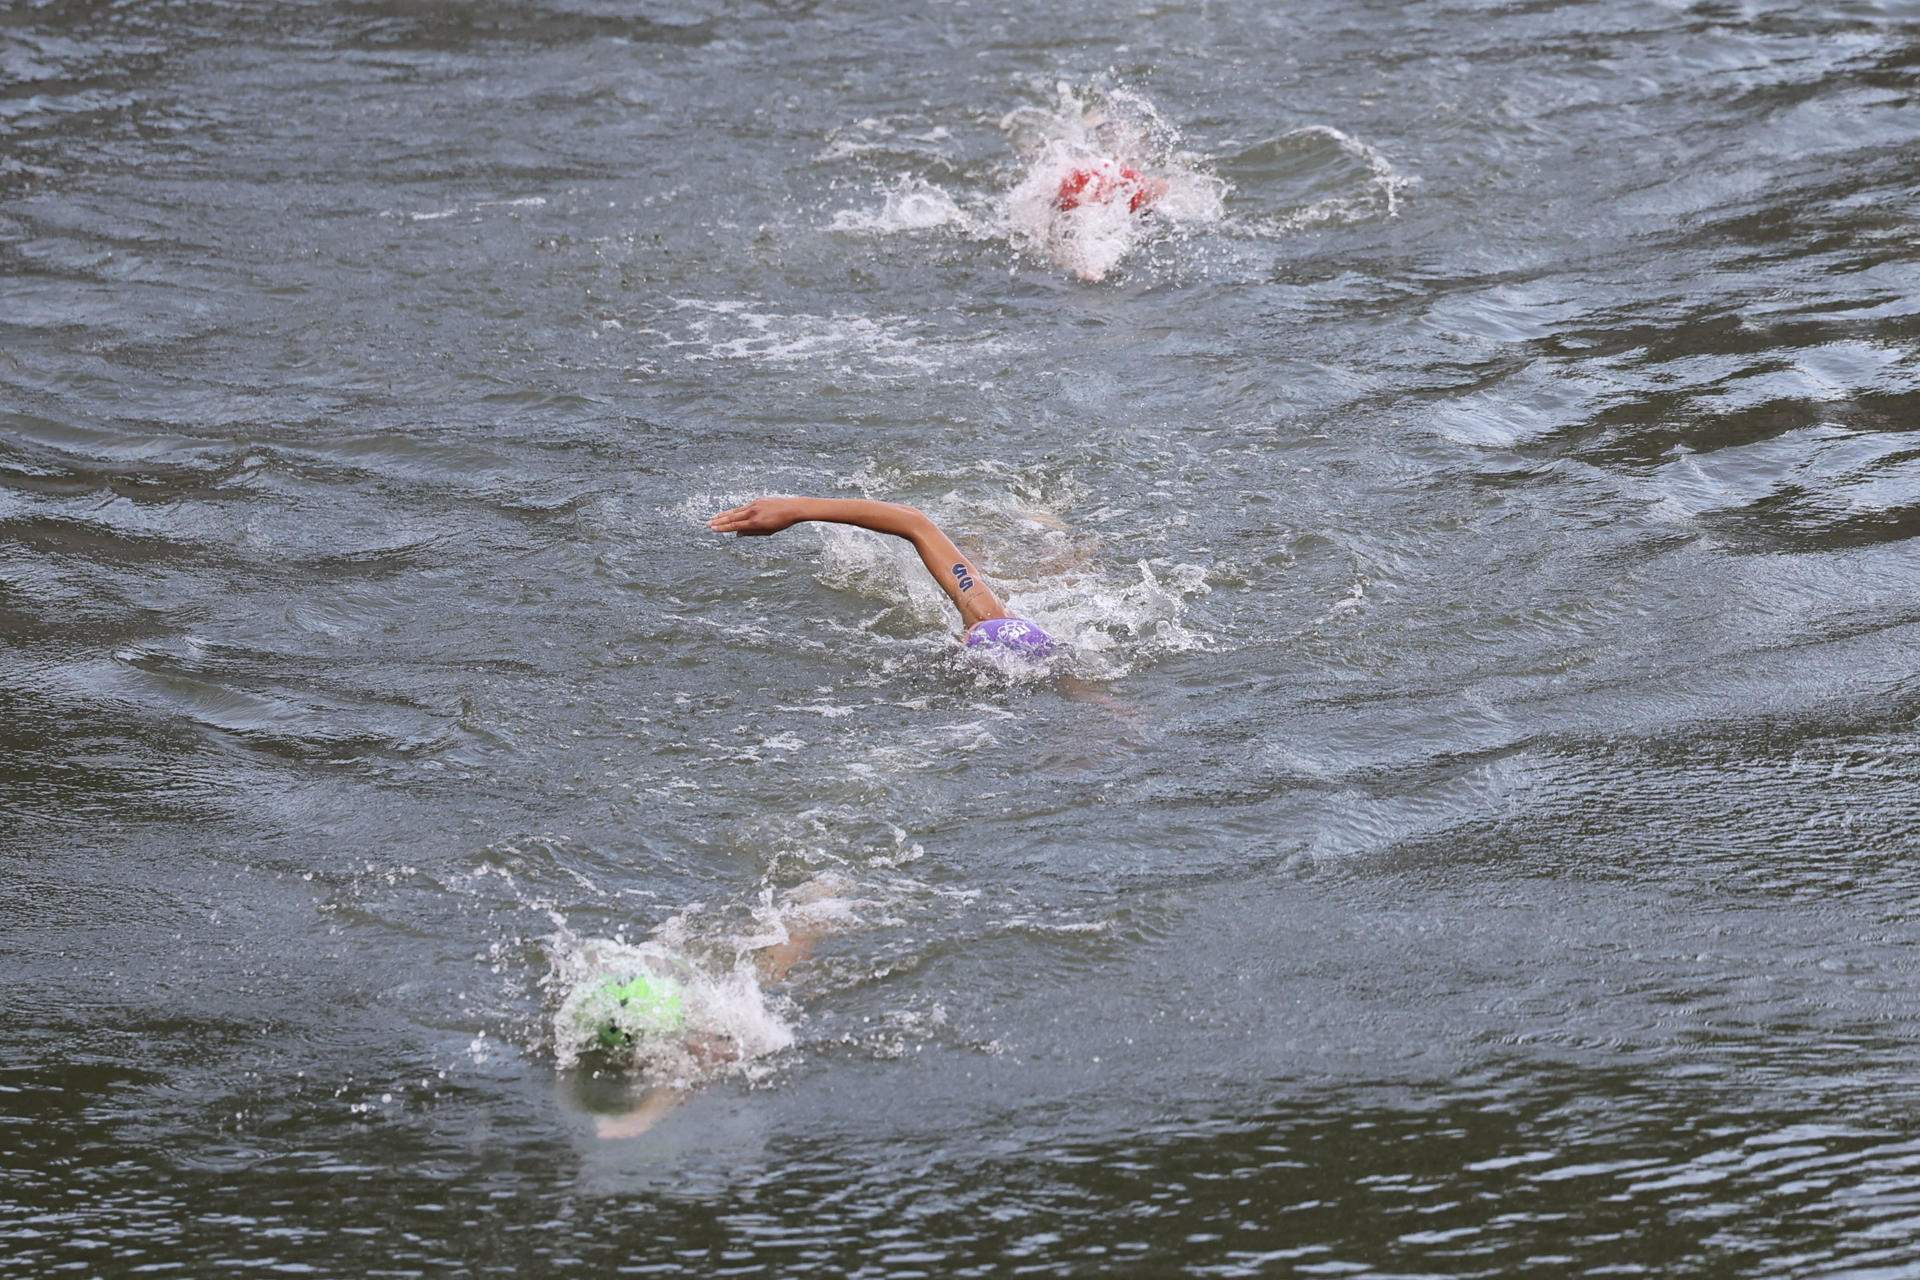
[646, 1006]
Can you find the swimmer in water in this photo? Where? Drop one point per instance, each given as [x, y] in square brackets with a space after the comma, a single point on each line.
[987, 622]
[1104, 183]
[643, 1012]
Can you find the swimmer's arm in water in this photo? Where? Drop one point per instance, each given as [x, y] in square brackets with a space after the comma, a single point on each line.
[956, 572]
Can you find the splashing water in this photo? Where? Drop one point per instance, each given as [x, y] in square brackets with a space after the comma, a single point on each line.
[1102, 171]
[1103, 617]
[885, 569]
[688, 1004]
[1108, 621]
[720, 1022]
[911, 204]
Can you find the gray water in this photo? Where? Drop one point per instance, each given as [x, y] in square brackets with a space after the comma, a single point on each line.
[1473, 828]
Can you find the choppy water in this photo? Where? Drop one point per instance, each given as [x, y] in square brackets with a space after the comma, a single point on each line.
[1475, 831]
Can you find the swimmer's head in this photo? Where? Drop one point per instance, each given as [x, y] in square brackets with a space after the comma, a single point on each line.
[1105, 182]
[1016, 636]
[640, 1007]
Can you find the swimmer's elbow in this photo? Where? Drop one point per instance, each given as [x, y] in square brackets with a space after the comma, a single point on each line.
[913, 522]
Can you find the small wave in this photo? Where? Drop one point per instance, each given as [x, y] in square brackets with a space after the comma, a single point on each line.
[1313, 175]
[437, 215]
[1352, 603]
[875, 138]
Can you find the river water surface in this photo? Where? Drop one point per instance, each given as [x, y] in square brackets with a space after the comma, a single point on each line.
[1472, 829]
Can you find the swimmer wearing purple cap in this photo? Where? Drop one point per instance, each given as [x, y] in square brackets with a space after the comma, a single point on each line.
[987, 621]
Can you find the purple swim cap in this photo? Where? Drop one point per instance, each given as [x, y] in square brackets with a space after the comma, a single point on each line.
[1014, 635]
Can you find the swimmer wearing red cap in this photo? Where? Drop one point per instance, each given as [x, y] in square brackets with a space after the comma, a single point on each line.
[1106, 183]
[988, 624]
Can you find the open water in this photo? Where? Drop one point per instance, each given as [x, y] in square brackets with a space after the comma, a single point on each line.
[1473, 830]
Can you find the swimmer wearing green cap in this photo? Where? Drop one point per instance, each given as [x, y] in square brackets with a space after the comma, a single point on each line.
[626, 1011]
[643, 1006]
[639, 1016]
[636, 1016]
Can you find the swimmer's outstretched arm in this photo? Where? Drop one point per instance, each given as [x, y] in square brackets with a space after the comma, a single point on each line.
[953, 569]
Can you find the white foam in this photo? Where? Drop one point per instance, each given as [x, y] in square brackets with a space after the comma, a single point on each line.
[908, 204]
[1101, 132]
[730, 330]
[883, 569]
[1105, 617]
[436, 215]
[729, 1023]
[1109, 621]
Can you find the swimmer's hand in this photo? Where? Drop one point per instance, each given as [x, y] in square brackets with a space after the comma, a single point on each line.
[761, 517]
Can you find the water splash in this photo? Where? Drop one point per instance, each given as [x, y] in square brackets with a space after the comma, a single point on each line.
[1106, 616]
[1110, 620]
[910, 204]
[886, 570]
[726, 1023]
[1102, 171]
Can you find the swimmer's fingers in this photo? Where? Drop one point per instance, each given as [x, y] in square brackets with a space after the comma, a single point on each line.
[756, 519]
[730, 520]
[738, 520]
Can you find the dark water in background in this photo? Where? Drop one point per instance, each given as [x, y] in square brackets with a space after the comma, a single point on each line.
[1494, 850]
